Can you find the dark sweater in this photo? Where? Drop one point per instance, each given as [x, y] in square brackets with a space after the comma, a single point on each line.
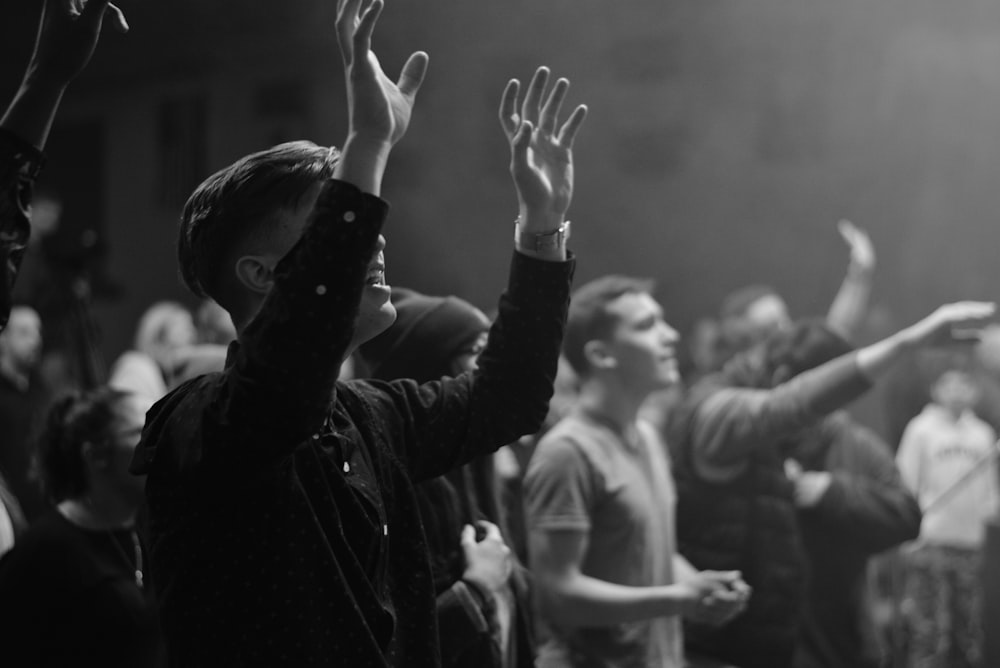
[69, 598]
[21, 412]
[866, 509]
[717, 417]
[284, 524]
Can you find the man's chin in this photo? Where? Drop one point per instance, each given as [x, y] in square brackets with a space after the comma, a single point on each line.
[669, 379]
[379, 321]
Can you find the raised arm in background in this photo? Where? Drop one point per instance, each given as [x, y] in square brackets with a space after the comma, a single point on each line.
[67, 36]
[850, 306]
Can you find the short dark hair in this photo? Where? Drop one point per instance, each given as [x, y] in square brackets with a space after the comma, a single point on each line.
[233, 203]
[589, 319]
[73, 419]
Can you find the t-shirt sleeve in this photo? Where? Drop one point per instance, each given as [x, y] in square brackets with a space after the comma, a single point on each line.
[560, 488]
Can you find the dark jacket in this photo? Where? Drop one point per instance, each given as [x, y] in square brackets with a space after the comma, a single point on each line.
[758, 531]
[747, 524]
[285, 529]
[866, 509]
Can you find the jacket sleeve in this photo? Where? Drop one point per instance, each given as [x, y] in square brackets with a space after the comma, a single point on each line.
[463, 623]
[20, 164]
[867, 500]
[437, 426]
[731, 422]
[280, 384]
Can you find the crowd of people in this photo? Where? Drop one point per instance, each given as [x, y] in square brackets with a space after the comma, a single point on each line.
[315, 469]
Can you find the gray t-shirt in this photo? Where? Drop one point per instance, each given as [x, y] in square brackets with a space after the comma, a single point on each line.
[584, 476]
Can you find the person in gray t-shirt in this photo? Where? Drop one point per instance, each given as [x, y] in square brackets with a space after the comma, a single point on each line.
[600, 499]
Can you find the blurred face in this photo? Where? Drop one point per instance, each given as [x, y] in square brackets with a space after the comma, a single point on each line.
[642, 345]
[956, 391]
[21, 341]
[376, 312]
[178, 332]
[467, 358]
[767, 315]
[125, 433]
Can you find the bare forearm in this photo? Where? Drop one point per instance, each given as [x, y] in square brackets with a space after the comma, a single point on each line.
[362, 163]
[33, 110]
[583, 601]
[875, 360]
[847, 312]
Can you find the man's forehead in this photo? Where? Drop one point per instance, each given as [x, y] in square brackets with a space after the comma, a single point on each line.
[634, 306]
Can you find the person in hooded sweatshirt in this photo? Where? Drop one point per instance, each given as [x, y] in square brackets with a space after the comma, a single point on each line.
[482, 599]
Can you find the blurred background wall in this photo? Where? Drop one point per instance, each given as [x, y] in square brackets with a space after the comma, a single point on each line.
[725, 138]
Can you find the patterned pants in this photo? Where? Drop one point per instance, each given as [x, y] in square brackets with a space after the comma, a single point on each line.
[942, 601]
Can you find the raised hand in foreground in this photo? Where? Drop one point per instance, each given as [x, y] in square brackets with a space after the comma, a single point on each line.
[379, 109]
[541, 162]
[67, 37]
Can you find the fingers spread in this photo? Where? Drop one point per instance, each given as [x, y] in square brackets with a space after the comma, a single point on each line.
[121, 25]
[521, 142]
[94, 9]
[572, 125]
[508, 107]
[347, 18]
[348, 9]
[552, 106]
[533, 100]
[366, 25]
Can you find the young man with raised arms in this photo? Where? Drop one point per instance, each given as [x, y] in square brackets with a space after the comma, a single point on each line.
[284, 525]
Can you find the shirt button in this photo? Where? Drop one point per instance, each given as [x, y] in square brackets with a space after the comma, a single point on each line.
[321, 290]
[316, 436]
[349, 216]
[347, 467]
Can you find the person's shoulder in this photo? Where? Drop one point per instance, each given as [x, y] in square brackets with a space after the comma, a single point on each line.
[571, 439]
[929, 417]
[50, 544]
[174, 422]
[984, 427]
[198, 393]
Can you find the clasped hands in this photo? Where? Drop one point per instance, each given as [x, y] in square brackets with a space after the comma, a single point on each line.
[717, 597]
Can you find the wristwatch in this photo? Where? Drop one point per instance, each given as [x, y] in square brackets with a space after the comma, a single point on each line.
[542, 241]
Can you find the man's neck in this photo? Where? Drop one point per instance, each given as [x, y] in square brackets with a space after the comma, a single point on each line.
[611, 402]
[953, 414]
[99, 511]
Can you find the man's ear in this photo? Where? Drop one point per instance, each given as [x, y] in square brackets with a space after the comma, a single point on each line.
[598, 355]
[255, 273]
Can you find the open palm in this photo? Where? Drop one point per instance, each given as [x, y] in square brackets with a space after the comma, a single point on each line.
[377, 106]
[541, 150]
